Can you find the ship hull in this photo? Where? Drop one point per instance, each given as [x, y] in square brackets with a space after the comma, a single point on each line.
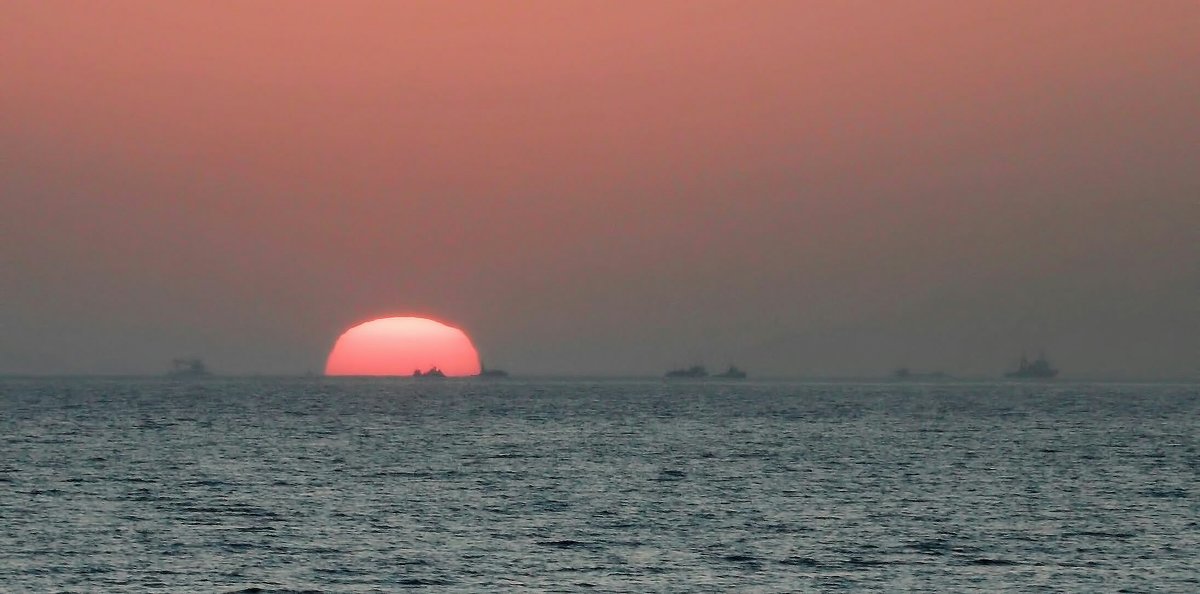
[1027, 375]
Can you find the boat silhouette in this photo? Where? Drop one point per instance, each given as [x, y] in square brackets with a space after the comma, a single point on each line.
[188, 369]
[701, 372]
[905, 373]
[433, 373]
[732, 373]
[1037, 369]
[695, 371]
[484, 371]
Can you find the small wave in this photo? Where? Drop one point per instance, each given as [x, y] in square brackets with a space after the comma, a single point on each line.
[1103, 534]
[782, 528]
[230, 510]
[932, 547]
[799, 562]
[44, 492]
[671, 475]
[95, 569]
[204, 521]
[565, 543]
[258, 590]
[757, 454]
[550, 506]
[1083, 564]
[340, 570]
[1166, 493]
[992, 562]
[423, 582]
[403, 474]
[411, 562]
[861, 562]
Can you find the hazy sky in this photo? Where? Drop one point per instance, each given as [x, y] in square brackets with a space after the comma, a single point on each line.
[802, 188]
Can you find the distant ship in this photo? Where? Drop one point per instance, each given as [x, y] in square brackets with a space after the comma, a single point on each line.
[695, 371]
[905, 373]
[188, 369]
[433, 372]
[1037, 369]
[732, 373]
[491, 373]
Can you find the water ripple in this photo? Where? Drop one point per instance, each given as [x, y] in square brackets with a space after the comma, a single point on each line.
[310, 485]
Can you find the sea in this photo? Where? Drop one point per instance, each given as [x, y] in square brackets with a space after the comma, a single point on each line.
[565, 485]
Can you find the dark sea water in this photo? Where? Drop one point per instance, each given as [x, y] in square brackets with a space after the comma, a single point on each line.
[608, 486]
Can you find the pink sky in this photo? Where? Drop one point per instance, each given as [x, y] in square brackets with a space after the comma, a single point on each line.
[796, 187]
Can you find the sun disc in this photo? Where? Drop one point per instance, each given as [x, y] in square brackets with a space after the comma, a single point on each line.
[398, 346]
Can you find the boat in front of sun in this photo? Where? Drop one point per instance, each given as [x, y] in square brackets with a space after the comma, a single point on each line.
[433, 373]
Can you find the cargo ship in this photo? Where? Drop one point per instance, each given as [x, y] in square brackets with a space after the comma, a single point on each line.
[701, 372]
[732, 373]
[695, 371]
[1037, 369]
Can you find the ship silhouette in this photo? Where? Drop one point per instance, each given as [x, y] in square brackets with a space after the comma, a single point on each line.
[484, 371]
[700, 372]
[433, 372]
[905, 373]
[695, 371]
[1037, 369]
[188, 369]
[732, 373]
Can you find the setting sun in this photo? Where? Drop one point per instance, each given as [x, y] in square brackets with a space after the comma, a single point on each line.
[400, 346]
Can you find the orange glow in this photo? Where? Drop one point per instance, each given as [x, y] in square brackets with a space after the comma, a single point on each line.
[399, 346]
